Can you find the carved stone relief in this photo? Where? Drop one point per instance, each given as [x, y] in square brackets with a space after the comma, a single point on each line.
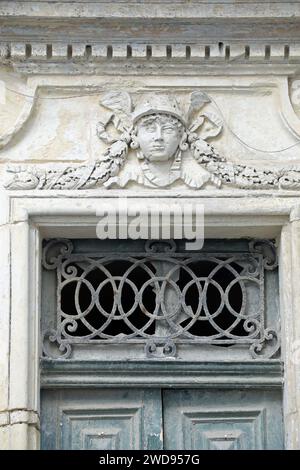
[169, 144]
[295, 95]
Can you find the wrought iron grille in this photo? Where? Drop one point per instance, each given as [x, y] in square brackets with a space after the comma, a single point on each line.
[160, 298]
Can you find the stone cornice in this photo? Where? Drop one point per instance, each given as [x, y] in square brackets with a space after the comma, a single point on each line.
[177, 21]
[151, 9]
[210, 31]
[160, 30]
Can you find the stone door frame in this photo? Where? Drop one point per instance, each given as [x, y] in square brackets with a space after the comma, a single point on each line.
[28, 217]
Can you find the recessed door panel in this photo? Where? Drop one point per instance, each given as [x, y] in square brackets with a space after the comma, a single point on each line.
[101, 419]
[222, 419]
[154, 419]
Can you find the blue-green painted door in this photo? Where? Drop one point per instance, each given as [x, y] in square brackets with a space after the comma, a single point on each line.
[194, 419]
[101, 419]
[222, 419]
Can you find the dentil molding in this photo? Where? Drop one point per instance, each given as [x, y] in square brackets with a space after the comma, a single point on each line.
[240, 51]
[51, 31]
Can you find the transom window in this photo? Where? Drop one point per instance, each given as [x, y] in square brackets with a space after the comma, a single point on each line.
[156, 299]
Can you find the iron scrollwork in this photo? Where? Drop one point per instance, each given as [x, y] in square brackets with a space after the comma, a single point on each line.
[161, 299]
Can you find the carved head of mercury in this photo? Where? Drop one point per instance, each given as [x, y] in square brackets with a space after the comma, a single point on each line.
[159, 132]
[159, 137]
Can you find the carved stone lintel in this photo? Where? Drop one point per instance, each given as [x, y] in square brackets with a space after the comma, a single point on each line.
[165, 138]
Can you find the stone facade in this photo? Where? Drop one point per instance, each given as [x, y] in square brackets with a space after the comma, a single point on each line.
[171, 100]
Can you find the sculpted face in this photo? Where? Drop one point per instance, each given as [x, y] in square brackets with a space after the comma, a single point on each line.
[159, 136]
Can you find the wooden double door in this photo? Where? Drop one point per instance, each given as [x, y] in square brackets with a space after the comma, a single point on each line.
[153, 419]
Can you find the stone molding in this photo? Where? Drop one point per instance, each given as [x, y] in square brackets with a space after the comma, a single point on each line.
[194, 30]
[39, 216]
[145, 373]
[148, 8]
[19, 416]
[238, 51]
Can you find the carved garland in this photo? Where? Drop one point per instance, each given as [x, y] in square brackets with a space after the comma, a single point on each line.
[104, 171]
[244, 176]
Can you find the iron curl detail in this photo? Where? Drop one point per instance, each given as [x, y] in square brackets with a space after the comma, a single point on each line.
[268, 250]
[55, 251]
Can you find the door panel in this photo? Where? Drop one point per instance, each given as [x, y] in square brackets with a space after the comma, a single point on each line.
[101, 419]
[222, 419]
[132, 419]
